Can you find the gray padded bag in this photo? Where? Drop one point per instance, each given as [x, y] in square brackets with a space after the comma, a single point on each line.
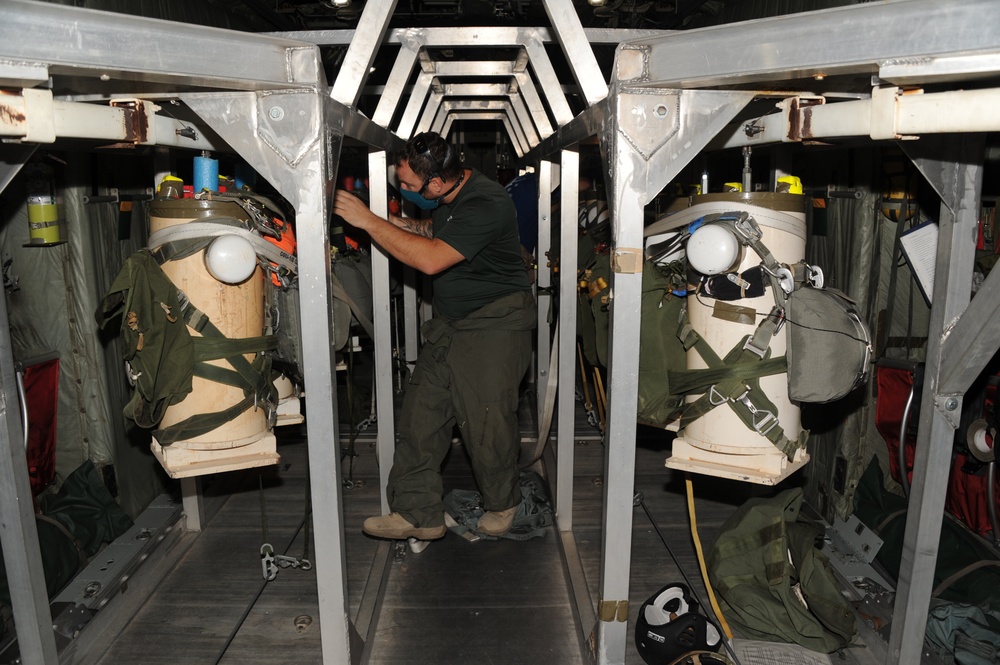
[829, 345]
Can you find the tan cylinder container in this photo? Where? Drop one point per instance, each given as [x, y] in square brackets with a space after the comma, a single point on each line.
[236, 310]
[719, 438]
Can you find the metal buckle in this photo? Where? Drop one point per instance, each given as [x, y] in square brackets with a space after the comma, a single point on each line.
[715, 398]
[747, 226]
[753, 348]
[815, 276]
[767, 419]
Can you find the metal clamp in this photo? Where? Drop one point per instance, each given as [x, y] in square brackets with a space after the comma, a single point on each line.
[268, 569]
[270, 562]
[784, 275]
[747, 227]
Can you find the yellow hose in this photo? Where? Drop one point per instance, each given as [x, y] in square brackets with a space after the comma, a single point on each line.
[701, 558]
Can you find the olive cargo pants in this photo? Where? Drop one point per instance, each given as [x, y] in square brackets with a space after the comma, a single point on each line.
[468, 373]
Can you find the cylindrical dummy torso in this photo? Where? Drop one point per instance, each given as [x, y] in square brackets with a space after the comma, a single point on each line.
[237, 310]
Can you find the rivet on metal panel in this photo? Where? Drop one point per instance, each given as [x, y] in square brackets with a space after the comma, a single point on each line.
[647, 119]
[302, 622]
[276, 113]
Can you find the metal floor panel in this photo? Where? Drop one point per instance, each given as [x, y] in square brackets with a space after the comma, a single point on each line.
[491, 601]
[457, 602]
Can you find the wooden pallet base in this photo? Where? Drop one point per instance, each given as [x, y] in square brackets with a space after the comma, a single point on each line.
[180, 462]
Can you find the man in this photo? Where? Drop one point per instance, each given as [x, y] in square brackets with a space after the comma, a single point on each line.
[478, 345]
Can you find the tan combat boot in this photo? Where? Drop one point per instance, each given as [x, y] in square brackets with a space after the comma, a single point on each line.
[396, 527]
[496, 523]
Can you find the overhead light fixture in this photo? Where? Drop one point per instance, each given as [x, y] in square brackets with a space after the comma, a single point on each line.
[596, 3]
[341, 4]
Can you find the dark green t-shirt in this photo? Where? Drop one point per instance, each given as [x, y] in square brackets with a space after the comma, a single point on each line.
[481, 224]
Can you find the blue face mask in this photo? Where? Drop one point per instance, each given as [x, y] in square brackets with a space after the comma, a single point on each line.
[418, 200]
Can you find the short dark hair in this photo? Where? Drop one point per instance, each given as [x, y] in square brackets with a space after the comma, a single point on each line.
[430, 156]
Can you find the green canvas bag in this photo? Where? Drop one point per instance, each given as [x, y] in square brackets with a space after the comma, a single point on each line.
[157, 346]
[773, 582]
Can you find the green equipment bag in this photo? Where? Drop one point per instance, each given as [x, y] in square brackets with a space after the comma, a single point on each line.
[157, 346]
[829, 346]
[772, 580]
[660, 350]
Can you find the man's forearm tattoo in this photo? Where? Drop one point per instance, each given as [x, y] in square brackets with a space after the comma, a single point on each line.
[421, 227]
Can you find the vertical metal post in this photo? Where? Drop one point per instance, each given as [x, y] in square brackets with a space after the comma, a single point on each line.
[547, 171]
[956, 171]
[411, 320]
[379, 196]
[628, 182]
[301, 162]
[18, 531]
[569, 203]
[192, 503]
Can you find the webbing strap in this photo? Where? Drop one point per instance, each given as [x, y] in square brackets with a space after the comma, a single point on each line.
[746, 229]
[254, 379]
[686, 381]
[943, 586]
[742, 394]
[210, 228]
[212, 348]
[201, 423]
[242, 198]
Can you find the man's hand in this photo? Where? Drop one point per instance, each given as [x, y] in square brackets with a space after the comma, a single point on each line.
[411, 246]
[353, 210]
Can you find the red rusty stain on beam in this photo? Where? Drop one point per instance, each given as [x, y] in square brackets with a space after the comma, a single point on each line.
[136, 124]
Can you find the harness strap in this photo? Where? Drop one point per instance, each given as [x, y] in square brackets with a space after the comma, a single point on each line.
[741, 391]
[202, 423]
[208, 229]
[253, 378]
[243, 198]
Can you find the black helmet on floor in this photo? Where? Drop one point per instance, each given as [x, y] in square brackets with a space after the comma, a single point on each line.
[670, 626]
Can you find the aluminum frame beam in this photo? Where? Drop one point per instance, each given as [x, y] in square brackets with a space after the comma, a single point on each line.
[381, 302]
[18, 531]
[579, 54]
[569, 201]
[399, 35]
[533, 40]
[485, 115]
[858, 39]
[361, 53]
[303, 174]
[60, 40]
[956, 171]
[452, 107]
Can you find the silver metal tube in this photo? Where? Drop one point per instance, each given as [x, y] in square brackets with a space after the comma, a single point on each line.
[904, 425]
[991, 501]
[22, 398]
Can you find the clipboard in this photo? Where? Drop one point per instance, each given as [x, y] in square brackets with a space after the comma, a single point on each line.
[919, 247]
